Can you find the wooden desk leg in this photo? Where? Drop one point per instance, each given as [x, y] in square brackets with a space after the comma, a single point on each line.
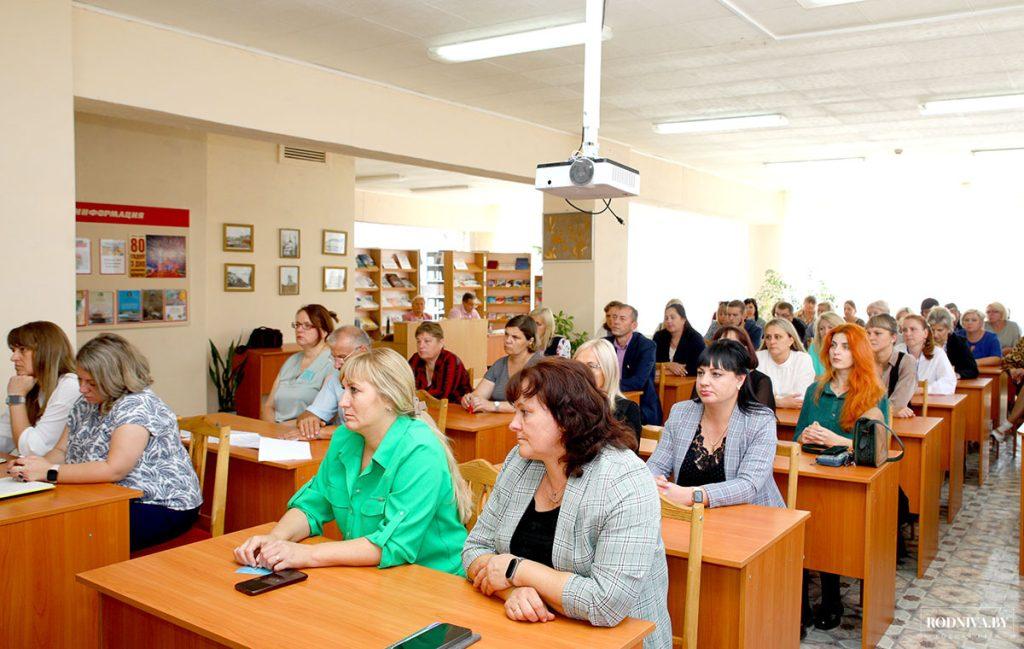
[983, 441]
[879, 584]
[956, 466]
[928, 514]
[1020, 516]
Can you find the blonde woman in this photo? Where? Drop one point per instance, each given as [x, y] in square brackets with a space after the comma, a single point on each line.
[999, 323]
[984, 345]
[121, 432]
[389, 480]
[783, 359]
[41, 392]
[826, 322]
[599, 357]
[546, 339]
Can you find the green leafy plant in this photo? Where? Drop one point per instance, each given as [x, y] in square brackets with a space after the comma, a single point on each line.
[565, 325]
[773, 289]
[225, 375]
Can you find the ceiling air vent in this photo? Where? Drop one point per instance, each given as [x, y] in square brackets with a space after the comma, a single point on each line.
[302, 155]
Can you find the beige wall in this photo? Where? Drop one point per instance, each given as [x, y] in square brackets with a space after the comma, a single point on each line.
[396, 209]
[37, 178]
[765, 252]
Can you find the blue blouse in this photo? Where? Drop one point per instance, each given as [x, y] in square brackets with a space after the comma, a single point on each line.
[986, 347]
[297, 387]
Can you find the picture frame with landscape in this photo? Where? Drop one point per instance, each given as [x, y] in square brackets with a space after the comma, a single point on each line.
[238, 237]
[239, 277]
[288, 280]
[335, 242]
[289, 243]
[335, 278]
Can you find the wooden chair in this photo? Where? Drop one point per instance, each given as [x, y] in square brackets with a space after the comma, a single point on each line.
[695, 517]
[924, 397]
[650, 431]
[438, 406]
[472, 381]
[481, 476]
[792, 451]
[202, 431]
[662, 373]
[634, 396]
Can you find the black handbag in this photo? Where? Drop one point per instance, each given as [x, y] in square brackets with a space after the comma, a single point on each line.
[871, 443]
[265, 338]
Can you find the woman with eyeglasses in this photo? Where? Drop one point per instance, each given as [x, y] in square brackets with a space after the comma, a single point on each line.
[304, 373]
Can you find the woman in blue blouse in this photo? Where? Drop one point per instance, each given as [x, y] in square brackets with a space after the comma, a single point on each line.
[304, 373]
[984, 345]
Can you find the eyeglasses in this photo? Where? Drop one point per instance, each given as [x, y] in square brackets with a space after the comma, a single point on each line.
[592, 365]
[302, 326]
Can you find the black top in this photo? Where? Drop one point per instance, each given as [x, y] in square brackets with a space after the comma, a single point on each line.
[761, 384]
[552, 349]
[959, 353]
[691, 344]
[700, 467]
[628, 413]
[535, 535]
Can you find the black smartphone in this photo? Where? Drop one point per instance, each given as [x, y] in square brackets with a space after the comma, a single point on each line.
[260, 585]
[439, 635]
[821, 449]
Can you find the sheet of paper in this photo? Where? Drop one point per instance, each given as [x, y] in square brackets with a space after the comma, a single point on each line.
[249, 570]
[283, 450]
[11, 487]
[241, 439]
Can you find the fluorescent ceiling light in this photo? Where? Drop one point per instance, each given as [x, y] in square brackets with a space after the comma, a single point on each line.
[815, 4]
[998, 153]
[440, 188]
[548, 38]
[721, 124]
[378, 178]
[830, 164]
[972, 105]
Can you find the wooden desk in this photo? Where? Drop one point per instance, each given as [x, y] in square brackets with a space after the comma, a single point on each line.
[258, 491]
[677, 388]
[852, 531]
[920, 474]
[750, 576]
[953, 410]
[495, 349]
[1000, 393]
[482, 435]
[261, 368]
[45, 539]
[977, 420]
[186, 597]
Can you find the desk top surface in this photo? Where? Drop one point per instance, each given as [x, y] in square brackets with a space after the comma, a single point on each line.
[979, 383]
[193, 587]
[462, 420]
[62, 498]
[909, 427]
[948, 401]
[318, 448]
[990, 370]
[733, 536]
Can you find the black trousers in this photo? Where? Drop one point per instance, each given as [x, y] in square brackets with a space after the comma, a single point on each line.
[154, 524]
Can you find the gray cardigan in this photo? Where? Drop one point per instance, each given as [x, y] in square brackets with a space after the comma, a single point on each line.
[608, 535]
[749, 455]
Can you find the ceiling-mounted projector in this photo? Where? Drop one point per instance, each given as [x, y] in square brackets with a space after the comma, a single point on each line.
[588, 178]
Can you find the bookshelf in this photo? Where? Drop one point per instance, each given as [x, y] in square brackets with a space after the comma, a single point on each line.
[463, 273]
[367, 287]
[508, 287]
[433, 283]
[386, 280]
[538, 290]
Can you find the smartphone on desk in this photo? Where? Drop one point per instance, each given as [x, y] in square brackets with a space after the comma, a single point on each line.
[260, 585]
[439, 635]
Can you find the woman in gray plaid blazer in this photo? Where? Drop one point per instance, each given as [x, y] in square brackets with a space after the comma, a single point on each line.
[728, 415]
[600, 557]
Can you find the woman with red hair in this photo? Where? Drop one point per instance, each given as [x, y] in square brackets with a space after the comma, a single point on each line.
[848, 389]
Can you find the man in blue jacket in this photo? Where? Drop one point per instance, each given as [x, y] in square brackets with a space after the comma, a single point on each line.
[636, 361]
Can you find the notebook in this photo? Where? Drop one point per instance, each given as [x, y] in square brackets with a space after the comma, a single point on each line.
[10, 487]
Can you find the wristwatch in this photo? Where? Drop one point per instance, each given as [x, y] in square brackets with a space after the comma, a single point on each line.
[51, 474]
[510, 572]
[698, 496]
[497, 405]
[15, 399]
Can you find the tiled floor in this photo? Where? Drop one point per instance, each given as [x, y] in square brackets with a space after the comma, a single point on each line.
[972, 583]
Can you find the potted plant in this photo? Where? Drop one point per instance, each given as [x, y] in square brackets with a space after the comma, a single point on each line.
[225, 375]
[565, 325]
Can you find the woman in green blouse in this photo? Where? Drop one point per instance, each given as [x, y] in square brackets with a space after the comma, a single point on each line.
[388, 479]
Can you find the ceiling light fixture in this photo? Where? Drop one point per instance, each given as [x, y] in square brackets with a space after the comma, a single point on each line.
[828, 163]
[721, 124]
[972, 105]
[998, 153]
[439, 188]
[816, 4]
[372, 178]
[548, 38]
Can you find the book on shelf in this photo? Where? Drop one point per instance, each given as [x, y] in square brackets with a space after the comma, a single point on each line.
[394, 318]
[399, 301]
[402, 260]
[492, 264]
[366, 302]
[390, 263]
[364, 260]
[368, 325]
[522, 263]
[460, 265]
[364, 281]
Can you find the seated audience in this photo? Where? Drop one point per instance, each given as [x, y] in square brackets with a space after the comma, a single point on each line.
[784, 310]
[722, 445]
[661, 325]
[807, 315]
[466, 310]
[826, 322]
[419, 305]
[520, 351]
[958, 328]
[607, 326]
[849, 389]
[304, 373]
[721, 319]
[320, 417]
[998, 323]
[896, 369]
[121, 432]
[389, 481]
[677, 343]
[824, 307]
[940, 321]
[573, 525]
[932, 363]
[1013, 364]
[734, 316]
[551, 344]
[984, 345]
[783, 359]
[926, 305]
[753, 313]
[42, 391]
[599, 357]
[850, 313]
[758, 381]
[636, 355]
[435, 369]
[903, 313]
[877, 307]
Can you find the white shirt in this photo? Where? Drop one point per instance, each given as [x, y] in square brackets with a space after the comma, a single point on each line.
[937, 370]
[791, 377]
[41, 438]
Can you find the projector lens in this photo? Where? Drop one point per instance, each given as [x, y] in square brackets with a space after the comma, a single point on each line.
[581, 172]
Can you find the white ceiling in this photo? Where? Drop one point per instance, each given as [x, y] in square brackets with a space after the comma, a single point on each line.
[853, 91]
[477, 191]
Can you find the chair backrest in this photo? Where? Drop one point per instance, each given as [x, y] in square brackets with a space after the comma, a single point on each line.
[439, 408]
[481, 476]
[472, 381]
[792, 451]
[650, 431]
[202, 430]
[662, 373]
[924, 397]
[634, 396]
[695, 517]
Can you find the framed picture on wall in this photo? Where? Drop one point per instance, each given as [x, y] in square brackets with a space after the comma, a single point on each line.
[288, 280]
[238, 237]
[335, 242]
[568, 237]
[239, 277]
[335, 278]
[288, 243]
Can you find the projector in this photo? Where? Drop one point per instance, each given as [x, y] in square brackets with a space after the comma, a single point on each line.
[588, 178]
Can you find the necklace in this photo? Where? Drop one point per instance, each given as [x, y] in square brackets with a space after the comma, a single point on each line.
[555, 496]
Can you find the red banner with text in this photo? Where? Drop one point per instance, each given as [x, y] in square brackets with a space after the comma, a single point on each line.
[131, 215]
